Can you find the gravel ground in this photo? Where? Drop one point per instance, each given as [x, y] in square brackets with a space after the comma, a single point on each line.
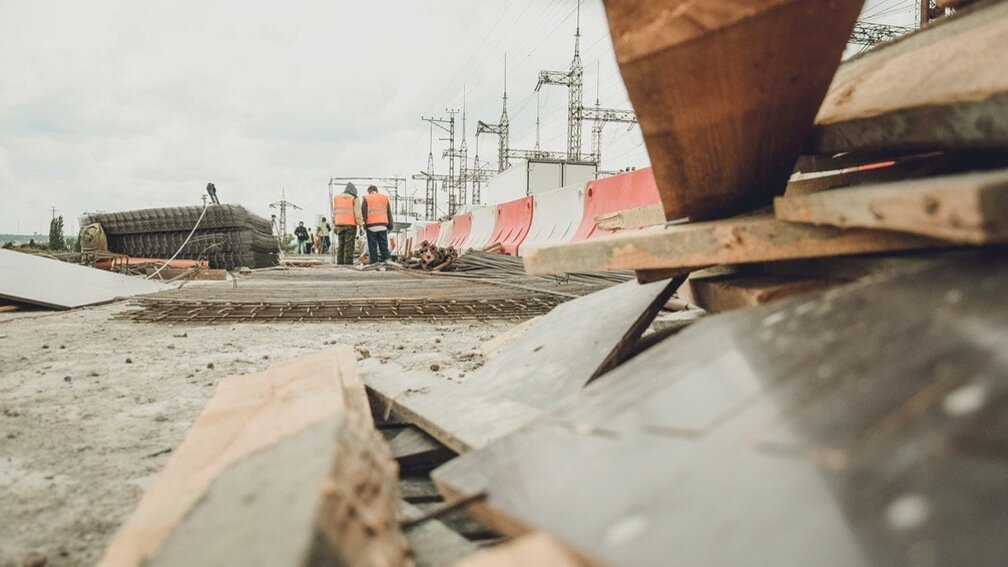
[91, 408]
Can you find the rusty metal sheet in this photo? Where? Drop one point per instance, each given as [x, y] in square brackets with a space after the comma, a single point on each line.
[865, 425]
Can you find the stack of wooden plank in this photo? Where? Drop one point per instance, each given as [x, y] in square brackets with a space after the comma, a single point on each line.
[908, 153]
[860, 425]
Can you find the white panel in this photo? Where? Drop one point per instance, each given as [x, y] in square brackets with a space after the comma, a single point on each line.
[544, 176]
[578, 173]
[52, 283]
[510, 185]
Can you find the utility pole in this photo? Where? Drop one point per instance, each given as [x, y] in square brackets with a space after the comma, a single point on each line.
[463, 155]
[501, 129]
[53, 209]
[282, 204]
[430, 179]
[925, 13]
[599, 117]
[449, 181]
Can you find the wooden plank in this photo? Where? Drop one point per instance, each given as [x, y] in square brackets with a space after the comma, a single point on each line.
[731, 241]
[726, 92]
[767, 436]
[554, 358]
[726, 293]
[460, 522]
[433, 544]
[631, 218]
[325, 496]
[942, 87]
[967, 208]
[537, 548]
[414, 488]
[416, 451]
[247, 414]
[863, 175]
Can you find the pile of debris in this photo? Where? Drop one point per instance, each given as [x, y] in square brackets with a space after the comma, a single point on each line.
[226, 236]
[431, 257]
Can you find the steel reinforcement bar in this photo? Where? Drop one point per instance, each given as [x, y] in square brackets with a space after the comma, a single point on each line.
[321, 311]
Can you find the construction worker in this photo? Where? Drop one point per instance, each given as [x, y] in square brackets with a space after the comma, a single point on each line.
[323, 231]
[212, 191]
[302, 237]
[346, 219]
[377, 214]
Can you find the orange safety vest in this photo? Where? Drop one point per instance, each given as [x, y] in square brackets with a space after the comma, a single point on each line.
[377, 209]
[343, 210]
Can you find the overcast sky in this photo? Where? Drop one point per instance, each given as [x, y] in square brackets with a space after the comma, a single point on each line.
[119, 104]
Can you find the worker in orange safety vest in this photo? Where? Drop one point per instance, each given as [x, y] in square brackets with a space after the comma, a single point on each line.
[377, 213]
[346, 220]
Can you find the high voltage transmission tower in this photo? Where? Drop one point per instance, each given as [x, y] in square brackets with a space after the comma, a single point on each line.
[282, 204]
[573, 79]
[500, 129]
[431, 179]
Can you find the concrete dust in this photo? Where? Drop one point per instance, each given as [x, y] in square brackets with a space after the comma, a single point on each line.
[90, 408]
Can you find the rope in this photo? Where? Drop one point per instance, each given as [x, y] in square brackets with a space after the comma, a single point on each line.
[177, 252]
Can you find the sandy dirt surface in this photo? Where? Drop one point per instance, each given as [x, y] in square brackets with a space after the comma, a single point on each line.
[90, 408]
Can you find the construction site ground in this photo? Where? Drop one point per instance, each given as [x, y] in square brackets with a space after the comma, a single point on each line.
[93, 406]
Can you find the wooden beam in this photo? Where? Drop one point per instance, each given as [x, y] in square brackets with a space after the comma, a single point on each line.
[416, 451]
[247, 414]
[730, 241]
[325, 496]
[631, 218]
[940, 88]
[727, 293]
[968, 208]
[883, 172]
[726, 92]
